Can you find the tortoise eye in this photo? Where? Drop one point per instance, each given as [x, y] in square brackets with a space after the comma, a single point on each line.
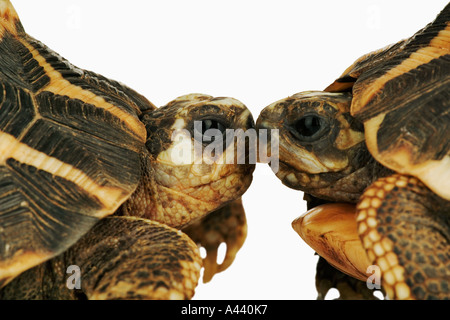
[212, 124]
[310, 127]
[202, 127]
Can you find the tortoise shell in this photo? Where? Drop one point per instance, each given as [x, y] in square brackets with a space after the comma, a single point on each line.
[65, 134]
[401, 93]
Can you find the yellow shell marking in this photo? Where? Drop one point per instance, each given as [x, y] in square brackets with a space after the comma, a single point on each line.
[439, 46]
[58, 85]
[10, 147]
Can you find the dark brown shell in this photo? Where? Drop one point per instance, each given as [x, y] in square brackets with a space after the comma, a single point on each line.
[70, 142]
[402, 94]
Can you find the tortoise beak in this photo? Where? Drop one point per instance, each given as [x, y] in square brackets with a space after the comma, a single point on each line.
[267, 135]
[330, 230]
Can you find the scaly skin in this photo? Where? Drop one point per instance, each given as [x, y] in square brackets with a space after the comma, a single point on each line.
[76, 148]
[404, 228]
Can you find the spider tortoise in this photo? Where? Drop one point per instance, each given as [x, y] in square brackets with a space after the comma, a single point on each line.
[88, 178]
[377, 137]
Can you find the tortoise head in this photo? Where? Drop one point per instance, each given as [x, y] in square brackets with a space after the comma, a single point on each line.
[321, 146]
[192, 166]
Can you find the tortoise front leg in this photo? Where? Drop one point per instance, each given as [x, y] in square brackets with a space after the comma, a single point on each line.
[120, 258]
[133, 258]
[404, 228]
[226, 225]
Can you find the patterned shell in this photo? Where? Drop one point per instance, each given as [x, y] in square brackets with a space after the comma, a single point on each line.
[70, 142]
[402, 95]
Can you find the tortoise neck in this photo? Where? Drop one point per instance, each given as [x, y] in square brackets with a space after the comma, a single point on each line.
[349, 184]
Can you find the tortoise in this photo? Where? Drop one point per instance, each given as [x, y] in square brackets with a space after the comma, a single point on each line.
[91, 177]
[378, 137]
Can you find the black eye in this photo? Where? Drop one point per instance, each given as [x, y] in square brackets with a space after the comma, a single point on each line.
[310, 127]
[212, 124]
[204, 127]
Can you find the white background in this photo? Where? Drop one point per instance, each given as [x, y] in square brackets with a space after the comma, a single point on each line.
[256, 51]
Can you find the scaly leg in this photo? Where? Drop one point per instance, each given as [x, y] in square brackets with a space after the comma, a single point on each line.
[227, 224]
[404, 228]
[120, 258]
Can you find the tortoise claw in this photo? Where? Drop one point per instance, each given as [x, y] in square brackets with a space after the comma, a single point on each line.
[226, 225]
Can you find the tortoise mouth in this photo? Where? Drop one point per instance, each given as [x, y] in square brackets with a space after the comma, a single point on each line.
[298, 179]
[180, 207]
[223, 189]
[177, 206]
[330, 186]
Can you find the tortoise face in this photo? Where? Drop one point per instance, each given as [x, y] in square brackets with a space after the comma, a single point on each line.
[318, 139]
[194, 158]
